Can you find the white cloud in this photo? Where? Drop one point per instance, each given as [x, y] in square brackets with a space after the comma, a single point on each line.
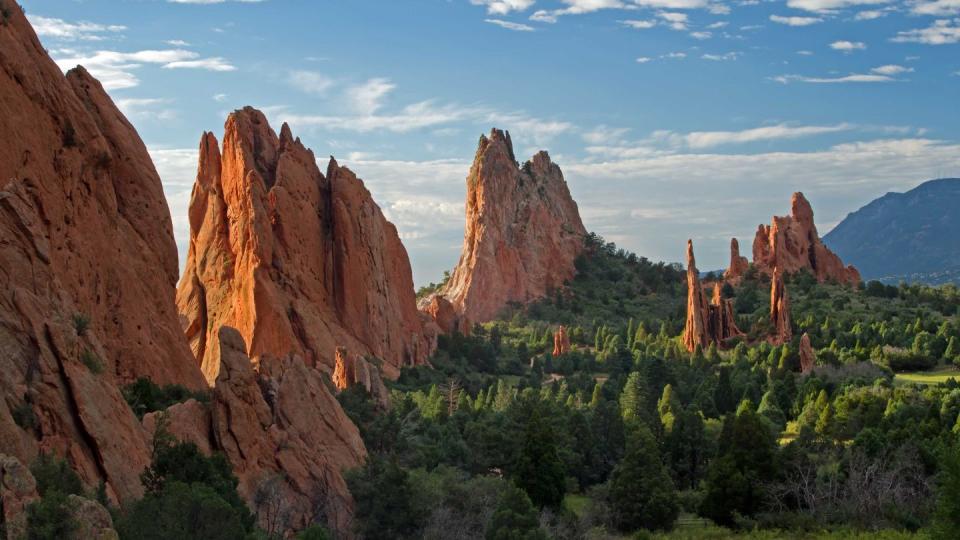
[50, 27]
[718, 24]
[516, 27]
[207, 64]
[638, 24]
[795, 21]
[823, 6]
[220, 98]
[674, 55]
[937, 7]
[891, 69]
[643, 59]
[848, 46]
[675, 20]
[852, 78]
[146, 108]
[941, 32]
[503, 7]
[310, 82]
[870, 15]
[707, 139]
[177, 43]
[115, 69]
[721, 57]
[604, 135]
[701, 35]
[367, 98]
[805, 53]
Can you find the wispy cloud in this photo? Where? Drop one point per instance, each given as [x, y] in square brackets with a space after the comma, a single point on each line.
[852, 78]
[639, 24]
[54, 28]
[503, 7]
[733, 55]
[795, 21]
[848, 46]
[892, 69]
[708, 139]
[870, 15]
[938, 8]
[941, 32]
[115, 69]
[516, 27]
[310, 82]
[825, 6]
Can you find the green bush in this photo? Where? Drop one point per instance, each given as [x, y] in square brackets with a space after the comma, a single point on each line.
[50, 518]
[93, 363]
[54, 475]
[144, 396]
[24, 416]
[178, 510]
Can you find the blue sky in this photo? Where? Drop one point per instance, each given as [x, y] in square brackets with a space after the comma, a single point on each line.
[672, 119]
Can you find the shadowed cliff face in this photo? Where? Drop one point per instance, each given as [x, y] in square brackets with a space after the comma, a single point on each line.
[297, 261]
[87, 269]
[523, 232]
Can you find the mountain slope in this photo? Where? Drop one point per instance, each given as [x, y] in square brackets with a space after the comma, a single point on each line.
[912, 236]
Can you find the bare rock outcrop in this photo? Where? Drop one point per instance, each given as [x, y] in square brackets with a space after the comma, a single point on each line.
[738, 264]
[357, 370]
[523, 232]
[298, 261]
[791, 243]
[439, 310]
[808, 358]
[285, 435]
[561, 342]
[187, 422]
[712, 322]
[88, 266]
[779, 310]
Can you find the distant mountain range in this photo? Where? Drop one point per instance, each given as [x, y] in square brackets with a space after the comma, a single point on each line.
[912, 236]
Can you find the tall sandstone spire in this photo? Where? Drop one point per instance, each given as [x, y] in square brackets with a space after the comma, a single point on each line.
[523, 232]
[791, 243]
[708, 322]
[298, 261]
[88, 266]
[779, 310]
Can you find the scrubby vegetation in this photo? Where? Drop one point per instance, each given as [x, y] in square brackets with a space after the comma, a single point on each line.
[630, 433]
[144, 396]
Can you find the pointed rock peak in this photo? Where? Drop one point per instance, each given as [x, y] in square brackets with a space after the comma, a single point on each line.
[498, 139]
[734, 247]
[691, 260]
[332, 167]
[800, 208]
[286, 137]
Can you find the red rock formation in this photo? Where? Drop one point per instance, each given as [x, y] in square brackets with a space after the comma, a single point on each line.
[87, 269]
[561, 342]
[284, 433]
[808, 358]
[738, 264]
[523, 232]
[297, 261]
[352, 370]
[791, 243]
[707, 322]
[188, 422]
[779, 310]
[442, 312]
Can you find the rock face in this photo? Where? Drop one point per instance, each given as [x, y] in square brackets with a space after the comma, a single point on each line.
[523, 232]
[298, 262]
[808, 358]
[779, 310]
[561, 342]
[285, 435]
[87, 265]
[187, 422]
[707, 322]
[354, 370]
[442, 312]
[791, 243]
[738, 264]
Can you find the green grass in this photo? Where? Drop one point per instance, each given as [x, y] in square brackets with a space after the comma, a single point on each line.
[928, 377]
[576, 503]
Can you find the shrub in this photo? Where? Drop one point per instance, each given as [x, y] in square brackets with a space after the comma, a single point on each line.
[180, 510]
[93, 363]
[54, 475]
[81, 323]
[50, 518]
[24, 416]
[144, 396]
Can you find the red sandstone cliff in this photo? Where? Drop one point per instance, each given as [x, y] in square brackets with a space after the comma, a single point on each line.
[779, 310]
[523, 232]
[87, 269]
[791, 243]
[712, 322]
[298, 261]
